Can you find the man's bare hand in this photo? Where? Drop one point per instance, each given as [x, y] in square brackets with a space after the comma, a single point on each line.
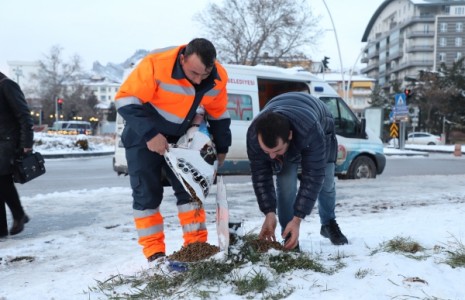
[158, 144]
[292, 231]
[268, 228]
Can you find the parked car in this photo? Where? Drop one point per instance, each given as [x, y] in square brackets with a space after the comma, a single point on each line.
[71, 128]
[423, 138]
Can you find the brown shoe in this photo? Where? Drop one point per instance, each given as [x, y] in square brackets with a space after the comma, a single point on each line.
[18, 225]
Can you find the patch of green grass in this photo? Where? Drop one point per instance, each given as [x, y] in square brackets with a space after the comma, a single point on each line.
[456, 257]
[282, 294]
[246, 250]
[286, 262]
[208, 270]
[204, 277]
[362, 273]
[258, 283]
[399, 245]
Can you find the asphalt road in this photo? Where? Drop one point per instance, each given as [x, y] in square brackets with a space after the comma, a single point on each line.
[65, 174]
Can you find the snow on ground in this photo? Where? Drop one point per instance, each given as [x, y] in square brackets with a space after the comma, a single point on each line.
[62, 144]
[96, 239]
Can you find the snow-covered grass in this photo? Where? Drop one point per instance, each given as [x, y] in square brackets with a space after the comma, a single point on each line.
[46, 143]
[81, 238]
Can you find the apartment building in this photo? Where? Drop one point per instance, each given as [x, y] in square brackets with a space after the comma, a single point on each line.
[406, 36]
[354, 89]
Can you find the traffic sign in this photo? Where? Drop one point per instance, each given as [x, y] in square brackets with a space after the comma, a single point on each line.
[400, 109]
[400, 100]
[394, 131]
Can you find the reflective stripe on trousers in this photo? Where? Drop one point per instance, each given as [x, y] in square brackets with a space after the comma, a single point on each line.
[149, 225]
[192, 217]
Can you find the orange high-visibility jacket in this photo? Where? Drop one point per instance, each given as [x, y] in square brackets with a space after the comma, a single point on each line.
[157, 98]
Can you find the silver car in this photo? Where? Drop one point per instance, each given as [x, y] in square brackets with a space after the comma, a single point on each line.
[424, 138]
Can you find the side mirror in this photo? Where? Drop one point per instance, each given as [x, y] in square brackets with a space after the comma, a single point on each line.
[363, 125]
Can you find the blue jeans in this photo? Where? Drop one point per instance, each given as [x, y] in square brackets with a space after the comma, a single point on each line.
[286, 189]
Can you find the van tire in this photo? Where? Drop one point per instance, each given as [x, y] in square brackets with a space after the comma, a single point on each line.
[362, 167]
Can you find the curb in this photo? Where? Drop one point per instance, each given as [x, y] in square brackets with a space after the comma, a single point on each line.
[408, 154]
[69, 155]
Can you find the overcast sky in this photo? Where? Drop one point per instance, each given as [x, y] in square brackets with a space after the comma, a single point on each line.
[111, 31]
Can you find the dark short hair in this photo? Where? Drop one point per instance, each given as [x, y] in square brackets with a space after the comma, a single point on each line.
[204, 49]
[271, 126]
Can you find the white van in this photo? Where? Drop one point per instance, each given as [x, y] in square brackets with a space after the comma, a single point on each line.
[360, 152]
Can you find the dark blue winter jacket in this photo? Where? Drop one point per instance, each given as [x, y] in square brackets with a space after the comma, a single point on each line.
[313, 137]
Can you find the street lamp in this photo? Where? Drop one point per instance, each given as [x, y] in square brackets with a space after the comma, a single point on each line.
[338, 48]
[353, 68]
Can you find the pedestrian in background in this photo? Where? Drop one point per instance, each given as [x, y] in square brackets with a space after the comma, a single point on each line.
[16, 137]
[294, 129]
[159, 102]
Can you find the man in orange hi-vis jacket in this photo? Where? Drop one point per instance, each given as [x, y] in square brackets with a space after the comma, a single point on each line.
[159, 102]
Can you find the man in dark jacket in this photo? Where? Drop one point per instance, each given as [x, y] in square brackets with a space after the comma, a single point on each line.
[16, 136]
[294, 129]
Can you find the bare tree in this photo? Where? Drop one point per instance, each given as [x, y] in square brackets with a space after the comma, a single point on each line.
[250, 31]
[57, 78]
[379, 99]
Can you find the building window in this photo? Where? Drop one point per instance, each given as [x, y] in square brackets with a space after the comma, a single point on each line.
[443, 42]
[459, 10]
[442, 57]
[426, 28]
[458, 56]
[459, 27]
[458, 42]
[443, 27]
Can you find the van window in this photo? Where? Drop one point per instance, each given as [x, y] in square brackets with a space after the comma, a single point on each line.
[269, 88]
[240, 107]
[346, 122]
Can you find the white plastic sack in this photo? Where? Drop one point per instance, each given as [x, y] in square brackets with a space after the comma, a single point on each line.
[194, 166]
[222, 215]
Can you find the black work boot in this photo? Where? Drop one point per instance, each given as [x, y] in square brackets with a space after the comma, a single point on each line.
[333, 233]
[18, 225]
[156, 256]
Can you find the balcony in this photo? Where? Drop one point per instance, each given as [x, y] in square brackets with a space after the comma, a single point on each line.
[417, 48]
[394, 56]
[419, 34]
[369, 68]
[412, 64]
[373, 54]
[423, 19]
